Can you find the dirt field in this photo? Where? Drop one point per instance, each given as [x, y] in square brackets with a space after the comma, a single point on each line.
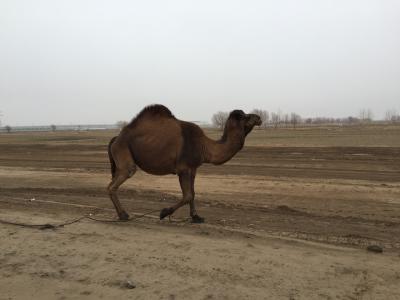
[289, 217]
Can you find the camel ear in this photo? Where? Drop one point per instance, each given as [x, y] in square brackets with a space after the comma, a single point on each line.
[237, 114]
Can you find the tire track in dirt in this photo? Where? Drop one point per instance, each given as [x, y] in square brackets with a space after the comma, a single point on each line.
[280, 220]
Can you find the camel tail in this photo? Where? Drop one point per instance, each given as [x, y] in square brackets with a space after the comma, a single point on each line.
[112, 162]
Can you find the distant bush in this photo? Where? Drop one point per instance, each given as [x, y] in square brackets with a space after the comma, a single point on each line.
[121, 124]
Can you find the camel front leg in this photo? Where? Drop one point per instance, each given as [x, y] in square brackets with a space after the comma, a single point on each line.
[186, 180]
[193, 213]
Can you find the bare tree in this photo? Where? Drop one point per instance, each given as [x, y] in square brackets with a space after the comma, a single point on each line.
[294, 119]
[264, 115]
[362, 114]
[388, 114]
[392, 115]
[275, 119]
[366, 115]
[219, 119]
[53, 127]
[8, 128]
[286, 119]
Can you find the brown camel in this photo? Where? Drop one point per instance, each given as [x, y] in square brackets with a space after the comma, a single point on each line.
[160, 144]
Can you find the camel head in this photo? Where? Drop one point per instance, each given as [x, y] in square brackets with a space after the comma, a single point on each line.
[238, 120]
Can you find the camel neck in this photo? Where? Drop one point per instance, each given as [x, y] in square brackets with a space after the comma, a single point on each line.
[219, 152]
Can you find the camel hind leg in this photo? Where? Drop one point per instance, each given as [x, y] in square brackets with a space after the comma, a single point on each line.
[125, 168]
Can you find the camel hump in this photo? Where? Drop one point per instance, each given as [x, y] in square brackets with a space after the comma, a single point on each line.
[155, 110]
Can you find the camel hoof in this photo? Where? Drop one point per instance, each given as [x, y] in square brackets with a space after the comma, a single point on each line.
[197, 219]
[123, 216]
[166, 212]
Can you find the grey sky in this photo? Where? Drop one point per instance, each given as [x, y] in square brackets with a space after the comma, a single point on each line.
[80, 61]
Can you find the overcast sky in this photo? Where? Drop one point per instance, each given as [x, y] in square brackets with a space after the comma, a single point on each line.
[81, 61]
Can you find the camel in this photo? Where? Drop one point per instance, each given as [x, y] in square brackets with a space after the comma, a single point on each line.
[160, 144]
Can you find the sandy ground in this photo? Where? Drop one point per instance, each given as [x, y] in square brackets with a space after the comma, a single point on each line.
[282, 222]
[91, 260]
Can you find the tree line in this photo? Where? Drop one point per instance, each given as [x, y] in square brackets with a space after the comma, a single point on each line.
[281, 119]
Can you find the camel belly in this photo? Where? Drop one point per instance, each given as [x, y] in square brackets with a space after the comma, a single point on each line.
[156, 154]
[156, 167]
